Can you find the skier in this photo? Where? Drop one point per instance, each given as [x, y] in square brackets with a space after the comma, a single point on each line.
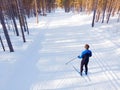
[85, 59]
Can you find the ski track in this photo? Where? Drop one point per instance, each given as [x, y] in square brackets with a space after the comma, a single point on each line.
[112, 77]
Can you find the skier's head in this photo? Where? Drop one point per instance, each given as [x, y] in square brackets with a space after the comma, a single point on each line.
[87, 46]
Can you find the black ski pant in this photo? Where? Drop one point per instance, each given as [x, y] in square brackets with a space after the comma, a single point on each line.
[84, 63]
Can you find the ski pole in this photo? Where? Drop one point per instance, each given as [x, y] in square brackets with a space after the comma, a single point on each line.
[70, 60]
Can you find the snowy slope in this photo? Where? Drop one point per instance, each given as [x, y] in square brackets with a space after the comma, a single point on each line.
[39, 64]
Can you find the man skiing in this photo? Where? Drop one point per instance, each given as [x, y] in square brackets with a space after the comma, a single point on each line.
[85, 59]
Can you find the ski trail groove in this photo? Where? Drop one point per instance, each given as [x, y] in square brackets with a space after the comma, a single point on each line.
[107, 70]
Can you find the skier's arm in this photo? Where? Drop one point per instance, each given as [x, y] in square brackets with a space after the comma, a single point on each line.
[90, 53]
[80, 56]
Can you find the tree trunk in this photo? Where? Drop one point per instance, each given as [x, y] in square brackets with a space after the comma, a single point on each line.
[26, 25]
[6, 32]
[81, 6]
[94, 13]
[109, 11]
[118, 18]
[2, 44]
[36, 10]
[20, 19]
[104, 9]
[15, 25]
[98, 15]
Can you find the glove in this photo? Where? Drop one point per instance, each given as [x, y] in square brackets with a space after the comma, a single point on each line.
[78, 56]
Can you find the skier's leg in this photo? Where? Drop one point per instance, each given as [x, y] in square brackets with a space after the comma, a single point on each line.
[86, 67]
[81, 67]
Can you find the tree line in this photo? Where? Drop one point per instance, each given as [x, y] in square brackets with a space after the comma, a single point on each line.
[19, 10]
[102, 9]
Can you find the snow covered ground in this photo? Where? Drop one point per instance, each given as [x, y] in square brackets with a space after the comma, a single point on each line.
[39, 64]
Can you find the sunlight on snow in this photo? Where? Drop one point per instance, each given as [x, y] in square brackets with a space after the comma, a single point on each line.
[55, 40]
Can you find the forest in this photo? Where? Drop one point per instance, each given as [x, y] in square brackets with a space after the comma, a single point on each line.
[21, 10]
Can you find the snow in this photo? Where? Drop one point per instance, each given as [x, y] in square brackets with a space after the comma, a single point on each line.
[39, 64]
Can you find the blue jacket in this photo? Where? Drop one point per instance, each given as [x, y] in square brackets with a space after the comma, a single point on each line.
[88, 52]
